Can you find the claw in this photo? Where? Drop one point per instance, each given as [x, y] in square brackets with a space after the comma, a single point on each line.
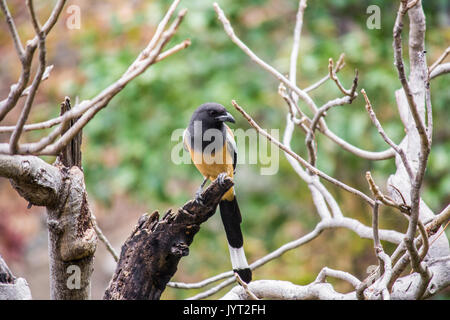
[221, 178]
[199, 199]
[198, 194]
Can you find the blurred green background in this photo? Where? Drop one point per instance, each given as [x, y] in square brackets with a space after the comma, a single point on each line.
[127, 146]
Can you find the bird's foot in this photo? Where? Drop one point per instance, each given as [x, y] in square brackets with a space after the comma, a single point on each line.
[198, 197]
[221, 178]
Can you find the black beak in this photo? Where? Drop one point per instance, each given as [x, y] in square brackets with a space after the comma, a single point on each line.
[226, 118]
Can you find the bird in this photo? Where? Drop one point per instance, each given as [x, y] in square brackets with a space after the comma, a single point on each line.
[213, 151]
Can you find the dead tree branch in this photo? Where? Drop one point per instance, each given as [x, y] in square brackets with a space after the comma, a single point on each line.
[150, 256]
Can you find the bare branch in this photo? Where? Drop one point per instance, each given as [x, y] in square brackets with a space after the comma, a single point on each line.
[88, 108]
[14, 140]
[17, 89]
[398, 27]
[12, 29]
[439, 60]
[12, 288]
[385, 199]
[35, 180]
[276, 289]
[104, 239]
[377, 124]
[292, 86]
[328, 272]
[370, 155]
[302, 161]
[245, 286]
[53, 122]
[296, 46]
[167, 240]
[352, 92]
[309, 140]
[301, 93]
[339, 65]
[348, 223]
[440, 70]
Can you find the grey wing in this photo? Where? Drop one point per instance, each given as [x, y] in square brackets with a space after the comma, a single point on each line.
[186, 143]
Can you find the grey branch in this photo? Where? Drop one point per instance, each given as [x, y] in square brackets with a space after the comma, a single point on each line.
[86, 109]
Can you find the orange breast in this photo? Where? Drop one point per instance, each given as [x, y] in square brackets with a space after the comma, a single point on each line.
[210, 166]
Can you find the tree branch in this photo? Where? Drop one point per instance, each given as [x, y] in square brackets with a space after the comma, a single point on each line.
[302, 161]
[150, 256]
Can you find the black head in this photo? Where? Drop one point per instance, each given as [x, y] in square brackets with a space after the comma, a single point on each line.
[212, 115]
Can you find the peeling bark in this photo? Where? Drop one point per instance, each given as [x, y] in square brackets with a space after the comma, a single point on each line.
[72, 240]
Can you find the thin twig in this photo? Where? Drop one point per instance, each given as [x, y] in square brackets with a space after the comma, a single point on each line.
[352, 92]
[302, 161]
[17, 89]
[76, 112]
[104, 239]
[341, 222]
[88, 108]
[309, 140]
[439, 60]
[14, 140]
[383, 134]
[339, 65]
[12, 29]
[245, 286]
[328, 272]
[383, 198]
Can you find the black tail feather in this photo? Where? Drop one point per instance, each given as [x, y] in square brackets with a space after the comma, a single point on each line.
[244, 274]
[231, 218]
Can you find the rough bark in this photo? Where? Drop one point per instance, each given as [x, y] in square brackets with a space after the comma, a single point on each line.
[150, 256]
[72, 239]
[60, 188]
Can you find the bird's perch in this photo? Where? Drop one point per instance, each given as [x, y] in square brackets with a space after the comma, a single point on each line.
[150, 255]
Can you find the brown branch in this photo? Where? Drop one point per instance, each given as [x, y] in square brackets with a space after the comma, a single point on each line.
[383, 134]
[150, 256]
[87, 109]
[12, 29]
[14, 140]
[439, 60]
[339, 65]
[352, 92]
[18, 88]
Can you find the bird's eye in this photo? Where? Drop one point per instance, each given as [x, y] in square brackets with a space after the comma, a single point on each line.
[212, 112]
